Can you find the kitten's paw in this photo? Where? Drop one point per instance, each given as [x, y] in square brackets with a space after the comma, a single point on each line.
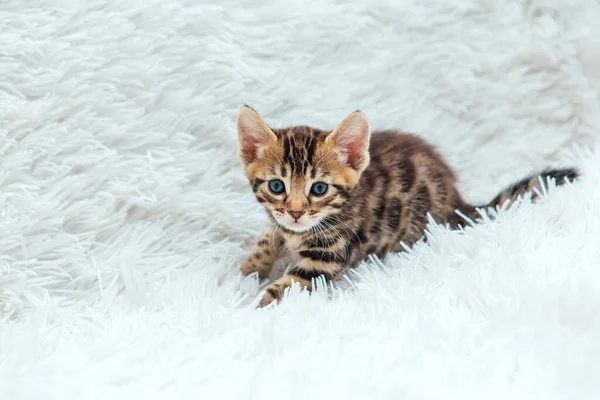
[247, 268]
[272, 293]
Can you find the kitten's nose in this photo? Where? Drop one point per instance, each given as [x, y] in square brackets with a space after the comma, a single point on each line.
[296, 214]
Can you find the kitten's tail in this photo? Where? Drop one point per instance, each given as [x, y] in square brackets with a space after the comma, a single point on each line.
[532, 184]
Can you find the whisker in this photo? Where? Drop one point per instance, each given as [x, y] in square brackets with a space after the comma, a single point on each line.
[337, 233]
[347, 228]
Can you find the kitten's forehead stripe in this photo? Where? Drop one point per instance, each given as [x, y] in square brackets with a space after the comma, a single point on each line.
[299, 147]
[286, 149]
[310, 148]
[298, 159]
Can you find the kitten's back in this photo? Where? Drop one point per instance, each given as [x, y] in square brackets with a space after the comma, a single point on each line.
[406, 179]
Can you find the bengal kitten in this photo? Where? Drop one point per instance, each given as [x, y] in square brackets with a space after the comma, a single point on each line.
[336, 197]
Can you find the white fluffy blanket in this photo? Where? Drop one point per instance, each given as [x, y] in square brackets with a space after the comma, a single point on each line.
[123, 207]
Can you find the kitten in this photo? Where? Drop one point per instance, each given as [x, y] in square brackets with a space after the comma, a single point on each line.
[335, 197]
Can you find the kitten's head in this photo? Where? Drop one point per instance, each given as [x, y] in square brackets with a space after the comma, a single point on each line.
[302, 175]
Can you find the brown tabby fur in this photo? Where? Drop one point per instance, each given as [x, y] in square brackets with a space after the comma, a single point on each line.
[381, 187]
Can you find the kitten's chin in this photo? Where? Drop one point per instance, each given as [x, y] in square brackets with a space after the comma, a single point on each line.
[296, 227]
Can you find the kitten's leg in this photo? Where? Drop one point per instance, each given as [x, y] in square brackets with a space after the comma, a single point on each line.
[314, 263]
[264, 253]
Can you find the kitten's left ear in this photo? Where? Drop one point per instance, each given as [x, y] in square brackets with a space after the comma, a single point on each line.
[351, 139]
[253, 134]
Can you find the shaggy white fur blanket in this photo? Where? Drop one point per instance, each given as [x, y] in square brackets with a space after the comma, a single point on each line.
[123, 207]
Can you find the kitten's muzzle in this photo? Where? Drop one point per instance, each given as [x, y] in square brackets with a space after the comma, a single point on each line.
[296, 214]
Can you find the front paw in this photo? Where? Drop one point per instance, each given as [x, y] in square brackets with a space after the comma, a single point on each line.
[247, 268]
[272, 293]
[250, 266]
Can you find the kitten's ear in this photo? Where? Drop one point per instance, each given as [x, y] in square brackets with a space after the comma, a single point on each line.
[253, 134]
[351, 138]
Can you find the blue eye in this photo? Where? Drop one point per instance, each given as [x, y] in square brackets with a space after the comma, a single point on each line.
[319, 188]
[276, 186]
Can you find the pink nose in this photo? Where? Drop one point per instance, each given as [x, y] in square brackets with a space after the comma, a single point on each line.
[296, 214]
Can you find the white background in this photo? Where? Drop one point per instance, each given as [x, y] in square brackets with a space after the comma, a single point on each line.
[123, 207]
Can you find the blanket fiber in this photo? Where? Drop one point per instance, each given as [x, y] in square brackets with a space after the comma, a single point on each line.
[123, 207]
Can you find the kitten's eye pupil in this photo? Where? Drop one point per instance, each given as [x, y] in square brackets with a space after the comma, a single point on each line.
[319, 188]
[276, 186]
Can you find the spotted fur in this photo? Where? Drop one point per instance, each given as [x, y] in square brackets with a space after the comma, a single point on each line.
[380, 189]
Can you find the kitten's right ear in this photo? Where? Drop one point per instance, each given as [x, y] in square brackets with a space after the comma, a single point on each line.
[253, 134]
[351, 139]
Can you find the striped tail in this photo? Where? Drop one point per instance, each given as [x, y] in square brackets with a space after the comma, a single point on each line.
[532, 184]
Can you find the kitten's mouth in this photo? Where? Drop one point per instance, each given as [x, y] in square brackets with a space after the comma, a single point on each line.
[295, 226]
[300, 225]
